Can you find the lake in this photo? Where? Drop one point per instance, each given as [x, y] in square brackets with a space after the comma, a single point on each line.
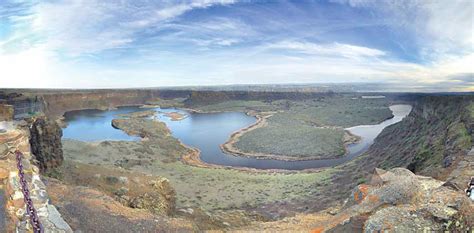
[207, 131]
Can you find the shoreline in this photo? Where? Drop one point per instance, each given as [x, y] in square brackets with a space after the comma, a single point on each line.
[193, 158]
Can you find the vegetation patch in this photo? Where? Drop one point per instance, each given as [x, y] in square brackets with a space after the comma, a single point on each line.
[285, 136]
[239, 106]
[211, 189]
[306, 129]
[166, 103]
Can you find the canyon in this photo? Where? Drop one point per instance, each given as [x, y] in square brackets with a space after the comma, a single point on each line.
[146, 185]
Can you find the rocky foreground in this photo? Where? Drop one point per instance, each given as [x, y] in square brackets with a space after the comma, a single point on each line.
[395, 201]
[13, 205]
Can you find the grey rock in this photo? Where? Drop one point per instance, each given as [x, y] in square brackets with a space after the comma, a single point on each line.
[399, 219]
[123, 180]
[55, 218]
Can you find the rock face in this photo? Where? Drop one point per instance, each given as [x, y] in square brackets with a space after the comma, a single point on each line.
[431, 138]
[45, 141]
[161, 201]
[56, 104]
[400, 201]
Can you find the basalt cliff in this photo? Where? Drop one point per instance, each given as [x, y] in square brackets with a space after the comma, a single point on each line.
[411, 179]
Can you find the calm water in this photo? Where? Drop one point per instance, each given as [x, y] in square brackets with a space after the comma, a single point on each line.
[207, 131]
[95, 125]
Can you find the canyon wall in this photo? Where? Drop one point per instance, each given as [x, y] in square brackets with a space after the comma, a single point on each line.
[212, 97]
[56, 104]
[6, 112]
[437, 132]
[22, 106]
[430, 141]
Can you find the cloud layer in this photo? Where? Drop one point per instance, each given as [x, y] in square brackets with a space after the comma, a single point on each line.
[97, 44]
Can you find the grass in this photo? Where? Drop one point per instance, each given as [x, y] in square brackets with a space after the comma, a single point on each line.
[211, 189]
[341, 111]
[471, 109]
[286, 136]
[224, 188]
[167, 103]
[238, 106]
[296, 129]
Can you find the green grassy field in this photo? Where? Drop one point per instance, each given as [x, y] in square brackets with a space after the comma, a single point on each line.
[285, 135]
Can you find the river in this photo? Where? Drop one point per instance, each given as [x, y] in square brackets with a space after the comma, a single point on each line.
[207, 131]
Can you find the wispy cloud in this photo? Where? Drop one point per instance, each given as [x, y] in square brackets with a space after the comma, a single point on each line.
[440, 26]
[78, 26]
[333, 49]
[94, 43]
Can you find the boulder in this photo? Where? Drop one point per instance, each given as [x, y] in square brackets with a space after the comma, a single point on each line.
[162, 200]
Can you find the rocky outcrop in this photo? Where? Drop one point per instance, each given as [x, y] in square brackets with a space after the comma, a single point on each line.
[18, 220]
[462, 172]
[400, 201]
[89, 210]
[45, 141]
[162, 200]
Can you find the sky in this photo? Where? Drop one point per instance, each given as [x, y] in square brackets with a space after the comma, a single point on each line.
[144, 43]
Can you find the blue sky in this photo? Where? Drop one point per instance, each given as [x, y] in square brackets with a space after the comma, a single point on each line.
[116, 44]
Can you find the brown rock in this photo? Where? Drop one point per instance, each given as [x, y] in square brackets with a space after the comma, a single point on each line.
[46, 143]
[377, 177]
[3, 173]
[162, 200]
